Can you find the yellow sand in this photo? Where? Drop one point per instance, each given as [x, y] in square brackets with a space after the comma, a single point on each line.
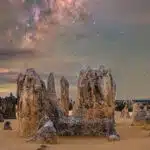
[131, 138]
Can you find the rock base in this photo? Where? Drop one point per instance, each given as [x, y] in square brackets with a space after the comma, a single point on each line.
[76, 126]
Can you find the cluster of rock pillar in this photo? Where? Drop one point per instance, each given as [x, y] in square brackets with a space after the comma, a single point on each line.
[36, 101]
[96, 94]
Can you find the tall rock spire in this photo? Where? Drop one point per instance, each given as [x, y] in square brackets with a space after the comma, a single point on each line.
[64, 85]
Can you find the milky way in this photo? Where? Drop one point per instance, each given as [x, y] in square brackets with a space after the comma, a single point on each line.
[38, 14]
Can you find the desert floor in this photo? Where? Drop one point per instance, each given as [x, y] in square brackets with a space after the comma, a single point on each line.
[131, 138]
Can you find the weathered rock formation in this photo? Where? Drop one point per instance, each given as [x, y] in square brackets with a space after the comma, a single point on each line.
[93, 112]
[125, 113]
[96, 94]
[2, 109]
[141, 114]
[51, 91]
[20, 81]
[64, 84]
[32, 102]
[39, 115]
[7, 107]
[7, 125]
[72, 126]
[46, 134]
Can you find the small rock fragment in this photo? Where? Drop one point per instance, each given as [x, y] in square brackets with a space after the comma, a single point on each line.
[7, 125]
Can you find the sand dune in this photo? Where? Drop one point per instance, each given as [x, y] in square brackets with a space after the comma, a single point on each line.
[131, 138]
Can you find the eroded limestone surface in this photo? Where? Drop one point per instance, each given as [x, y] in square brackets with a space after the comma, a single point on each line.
[64, 85]
[96, 93]
[51, 91]
[93, 113]
[31, 106]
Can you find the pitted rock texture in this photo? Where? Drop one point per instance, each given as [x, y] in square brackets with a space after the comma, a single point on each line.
[46, 134]
[141, 114]
[52, 102]
[7, 107]
[93, 112]
[64, 85]
[96, 93]
[40, 116]
[72, 126]
[20, 80]
[31, 107]
[51, 91]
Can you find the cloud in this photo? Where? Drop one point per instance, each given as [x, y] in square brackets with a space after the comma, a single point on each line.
[8, 82]
[9, 54]
[8, 77]
[4, 70]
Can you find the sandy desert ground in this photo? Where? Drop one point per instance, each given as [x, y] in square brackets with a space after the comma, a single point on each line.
[131, 138]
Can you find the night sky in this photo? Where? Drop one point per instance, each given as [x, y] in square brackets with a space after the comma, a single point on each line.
[119, 38]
